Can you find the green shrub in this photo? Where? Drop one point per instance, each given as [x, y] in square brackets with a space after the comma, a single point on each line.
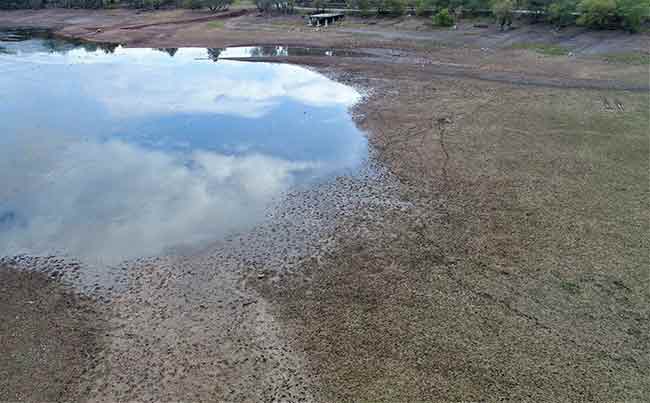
[443, 18]
[502, 10]
[422, 7]
[379, 6]
[475, 5]
[537, 5]
[363, 6]
[633, 13]
[395, 7]
[560, 12]
[151, 4]
[596, 13]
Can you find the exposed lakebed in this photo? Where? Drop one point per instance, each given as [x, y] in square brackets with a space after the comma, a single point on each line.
[110, 153]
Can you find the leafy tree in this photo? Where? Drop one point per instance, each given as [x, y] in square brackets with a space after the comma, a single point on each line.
[443, 18]
[469, 5]
[361, 5]
[502, 10]
[629, 14]
[632, 13]
[152, 4]
[193, 4]
[538, 5]
[422, 7]
[395, 7]
[596, 13]
[560, 12]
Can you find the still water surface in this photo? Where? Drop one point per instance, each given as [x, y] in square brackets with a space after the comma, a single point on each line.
[109, 153]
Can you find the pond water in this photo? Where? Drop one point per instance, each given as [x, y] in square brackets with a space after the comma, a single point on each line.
[275, 51]
[109, 153]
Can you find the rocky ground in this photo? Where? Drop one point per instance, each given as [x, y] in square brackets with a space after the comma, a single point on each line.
[495, 247]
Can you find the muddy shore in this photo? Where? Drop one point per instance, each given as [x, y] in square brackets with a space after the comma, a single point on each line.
[496, 248]
[49, 338]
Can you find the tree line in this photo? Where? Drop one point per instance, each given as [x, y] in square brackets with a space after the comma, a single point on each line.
[213, 5]
[627, 14]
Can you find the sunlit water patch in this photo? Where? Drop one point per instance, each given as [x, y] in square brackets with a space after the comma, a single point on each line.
[109, 153]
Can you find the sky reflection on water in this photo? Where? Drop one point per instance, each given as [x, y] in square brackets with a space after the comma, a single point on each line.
[110, 154]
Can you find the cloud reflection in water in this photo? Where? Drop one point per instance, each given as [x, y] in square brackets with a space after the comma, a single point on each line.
[125, 154]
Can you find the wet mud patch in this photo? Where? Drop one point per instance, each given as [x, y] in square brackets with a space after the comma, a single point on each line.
[198, 325]
[49, 338]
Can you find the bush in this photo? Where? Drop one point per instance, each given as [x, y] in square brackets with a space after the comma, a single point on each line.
[152, 4]
[395, 7]
[502, 10]
[361, 5]
[378, 5]
[443, 18]
[560, 12]
[537, 5]
[471, 6]
[422, 7]
[597, 13]
[633, 13]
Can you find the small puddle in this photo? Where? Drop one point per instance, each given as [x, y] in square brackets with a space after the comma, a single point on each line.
[110, 153]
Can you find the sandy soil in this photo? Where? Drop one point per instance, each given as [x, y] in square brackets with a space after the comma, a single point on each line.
[494, 248]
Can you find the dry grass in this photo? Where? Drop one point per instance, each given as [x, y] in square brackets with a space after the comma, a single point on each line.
[543, 48]
[522, 272]
[628, 58]
[215, 25]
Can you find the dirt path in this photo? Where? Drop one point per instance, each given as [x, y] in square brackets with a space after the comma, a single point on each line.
[497, 250]
[579, 41]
